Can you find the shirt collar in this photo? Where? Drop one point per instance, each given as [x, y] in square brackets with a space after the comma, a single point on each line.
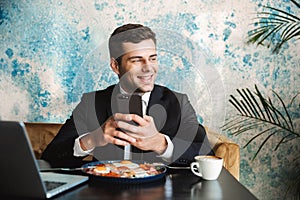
[145, 96]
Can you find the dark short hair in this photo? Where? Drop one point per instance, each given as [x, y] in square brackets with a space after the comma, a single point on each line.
[134, 33]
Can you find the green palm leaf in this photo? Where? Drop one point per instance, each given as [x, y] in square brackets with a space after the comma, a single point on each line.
[255, 112]
[258, 114]
[276, 27]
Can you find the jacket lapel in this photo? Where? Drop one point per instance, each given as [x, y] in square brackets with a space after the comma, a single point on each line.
[155, 97]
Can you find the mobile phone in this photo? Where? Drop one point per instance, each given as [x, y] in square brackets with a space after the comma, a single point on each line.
[130, 104]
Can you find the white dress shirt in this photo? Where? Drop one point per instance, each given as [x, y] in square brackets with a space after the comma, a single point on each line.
[78, 151]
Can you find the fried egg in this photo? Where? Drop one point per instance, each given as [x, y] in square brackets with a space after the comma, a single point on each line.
[102, 169]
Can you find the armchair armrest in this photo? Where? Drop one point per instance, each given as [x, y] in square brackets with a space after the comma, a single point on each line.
[227, 149]
[40, 135]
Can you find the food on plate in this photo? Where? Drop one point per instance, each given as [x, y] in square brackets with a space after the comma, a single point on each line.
[124, 169]
[125, 162]
[102, 169]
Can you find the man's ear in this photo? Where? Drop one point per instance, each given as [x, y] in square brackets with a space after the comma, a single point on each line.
[114, 66]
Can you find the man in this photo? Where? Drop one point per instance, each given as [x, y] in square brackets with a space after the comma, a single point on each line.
[167, 131]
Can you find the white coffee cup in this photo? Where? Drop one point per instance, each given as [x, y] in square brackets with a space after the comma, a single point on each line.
[207, 167]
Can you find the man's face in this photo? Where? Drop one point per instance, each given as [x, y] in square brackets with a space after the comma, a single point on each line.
[139, 66]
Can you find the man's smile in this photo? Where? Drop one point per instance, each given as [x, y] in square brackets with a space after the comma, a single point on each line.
[145, 78]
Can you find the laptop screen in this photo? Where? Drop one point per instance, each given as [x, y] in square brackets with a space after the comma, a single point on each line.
[19, 169]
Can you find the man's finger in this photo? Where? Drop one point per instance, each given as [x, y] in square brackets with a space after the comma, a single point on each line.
[123, 136]
[122, 117]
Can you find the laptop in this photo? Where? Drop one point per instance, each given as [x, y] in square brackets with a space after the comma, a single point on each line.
[19, 170]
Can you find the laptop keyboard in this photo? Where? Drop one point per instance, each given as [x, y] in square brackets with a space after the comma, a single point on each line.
[50, 185]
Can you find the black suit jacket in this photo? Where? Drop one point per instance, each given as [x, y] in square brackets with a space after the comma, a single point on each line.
[172, 113]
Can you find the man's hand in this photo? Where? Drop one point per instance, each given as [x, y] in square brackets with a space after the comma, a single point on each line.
[109, 132]
[118, 131]
[146, 135]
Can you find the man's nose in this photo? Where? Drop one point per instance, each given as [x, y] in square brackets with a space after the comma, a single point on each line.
[147, 66]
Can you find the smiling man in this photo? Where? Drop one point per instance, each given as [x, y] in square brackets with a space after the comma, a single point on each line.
[166, 131]
[138, 67]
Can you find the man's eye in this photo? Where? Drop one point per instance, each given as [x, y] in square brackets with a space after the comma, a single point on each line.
[136, 60]
[153, 59]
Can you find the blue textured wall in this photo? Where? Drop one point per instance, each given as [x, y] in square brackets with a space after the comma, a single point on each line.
[53, 51]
